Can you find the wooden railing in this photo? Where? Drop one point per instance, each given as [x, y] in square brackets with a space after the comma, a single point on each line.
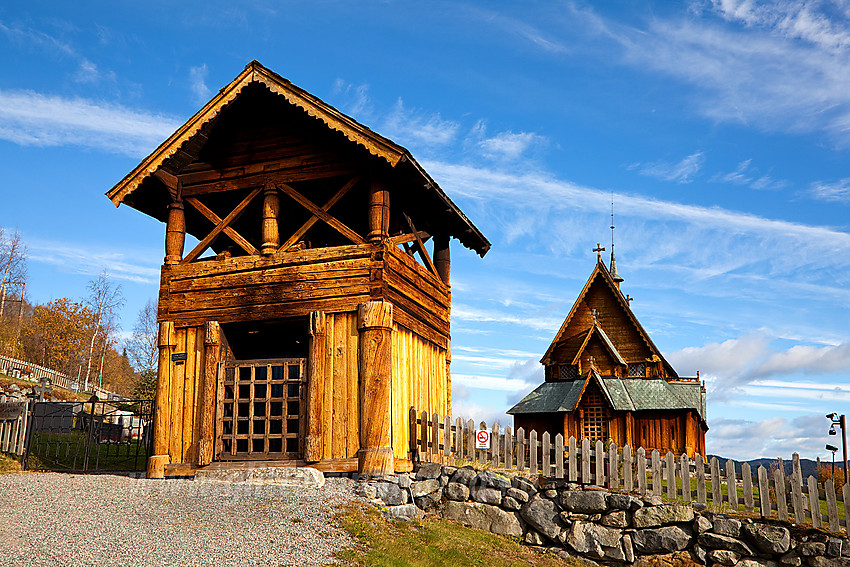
[13, 432]
[712, 484]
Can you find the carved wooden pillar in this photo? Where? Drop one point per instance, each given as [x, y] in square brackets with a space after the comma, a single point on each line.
[442, 258]
[271, 209]
[212, 350]
[162, 406]
[315, 387]
[630, 430]
[175, 232]
[379, 211]
[375, 320]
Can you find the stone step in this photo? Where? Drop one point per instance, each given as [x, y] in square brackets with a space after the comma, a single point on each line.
[302, 477]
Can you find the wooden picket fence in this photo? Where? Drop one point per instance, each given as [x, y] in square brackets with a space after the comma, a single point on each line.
[13, 432]
[713, 484]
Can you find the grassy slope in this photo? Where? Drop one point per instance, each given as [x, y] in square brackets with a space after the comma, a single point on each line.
[433, 542]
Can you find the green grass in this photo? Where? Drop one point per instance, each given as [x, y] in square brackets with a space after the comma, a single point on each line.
[9, 464]
[66, 452]
[432, 543]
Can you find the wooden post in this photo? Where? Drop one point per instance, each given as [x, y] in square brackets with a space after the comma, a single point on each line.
[375, 324]
[175, 232]
[316, 350]
[781, 502]
[271, 209]
[731, 486]
[442, 258]
[212, 349]
[162, 409]
[509, 448]
[702, 497]
[747, 479]
[379, 212]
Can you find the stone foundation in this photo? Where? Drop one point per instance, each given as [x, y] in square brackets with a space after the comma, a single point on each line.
[601, 526]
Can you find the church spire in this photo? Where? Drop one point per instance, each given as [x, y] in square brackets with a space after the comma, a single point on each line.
[613, 268]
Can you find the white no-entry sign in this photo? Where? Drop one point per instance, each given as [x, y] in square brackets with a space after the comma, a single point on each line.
[482, 439]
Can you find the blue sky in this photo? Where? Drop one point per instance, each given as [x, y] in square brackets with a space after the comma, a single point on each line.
[722, 130]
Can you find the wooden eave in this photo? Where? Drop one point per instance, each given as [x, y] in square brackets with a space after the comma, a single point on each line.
[201, 123]
[612, 350]
[602, 271]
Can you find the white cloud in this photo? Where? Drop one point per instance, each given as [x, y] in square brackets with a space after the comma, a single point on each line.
[836, 192]
[428, 129]
[727, 362]
[197, 81]
[746, 174]
[468, 313]
[807, 360]
[682, 171]
[32, 119]
[491, 382]
[92, 260]
[509, 146]
[741, 439]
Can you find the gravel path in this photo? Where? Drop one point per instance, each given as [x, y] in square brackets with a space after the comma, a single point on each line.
[106, 520]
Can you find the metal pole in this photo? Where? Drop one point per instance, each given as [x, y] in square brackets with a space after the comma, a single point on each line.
[842, 421]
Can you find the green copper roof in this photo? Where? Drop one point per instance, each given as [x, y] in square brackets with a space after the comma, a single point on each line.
[550, 397]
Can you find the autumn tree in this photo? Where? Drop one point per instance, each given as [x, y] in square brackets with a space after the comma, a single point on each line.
[142, 351]
[56, 335]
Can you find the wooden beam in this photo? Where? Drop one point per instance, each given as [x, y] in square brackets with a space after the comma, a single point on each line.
[312, 220]
[175, 232]
[401, 239]
[271, 209]
[234, 214]
[422, 252]
[209, 383]
[332, 221]
[293, 176]
[379, 211]
[317, 347]
[375, 325]
[229, 231]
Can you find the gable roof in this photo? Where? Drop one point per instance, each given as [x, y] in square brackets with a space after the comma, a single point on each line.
[195, 131]
[601, 272]
[612, 350]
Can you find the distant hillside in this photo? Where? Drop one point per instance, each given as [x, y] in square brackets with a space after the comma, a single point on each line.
[807, 466]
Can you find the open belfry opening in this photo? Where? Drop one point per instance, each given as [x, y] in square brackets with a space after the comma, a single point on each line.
[314, 310]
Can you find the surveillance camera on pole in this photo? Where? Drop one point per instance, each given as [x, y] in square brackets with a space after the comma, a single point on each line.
[840, 421]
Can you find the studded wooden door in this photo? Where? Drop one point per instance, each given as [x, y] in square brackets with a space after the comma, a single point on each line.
[261, 409]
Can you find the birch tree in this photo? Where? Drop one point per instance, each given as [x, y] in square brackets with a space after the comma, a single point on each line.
[105, 299]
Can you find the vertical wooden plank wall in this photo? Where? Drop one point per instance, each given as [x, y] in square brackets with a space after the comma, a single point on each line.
[419, 379]
[184, 394]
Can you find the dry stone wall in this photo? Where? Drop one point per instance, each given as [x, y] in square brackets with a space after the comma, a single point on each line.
[599, 526]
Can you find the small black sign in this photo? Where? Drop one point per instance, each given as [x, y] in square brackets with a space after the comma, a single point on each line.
[179, 357]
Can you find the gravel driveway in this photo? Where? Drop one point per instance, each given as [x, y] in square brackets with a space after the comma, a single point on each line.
[107, 520]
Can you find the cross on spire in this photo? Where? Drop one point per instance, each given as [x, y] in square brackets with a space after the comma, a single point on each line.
[599, 250]
[629, 298]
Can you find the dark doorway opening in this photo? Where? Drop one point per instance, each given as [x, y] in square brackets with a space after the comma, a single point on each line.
[283, 338]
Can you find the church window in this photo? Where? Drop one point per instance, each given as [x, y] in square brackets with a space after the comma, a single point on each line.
[637, 370]
[569, 371]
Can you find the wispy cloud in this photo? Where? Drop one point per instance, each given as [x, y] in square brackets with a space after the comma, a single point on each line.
[747, 175]
[198, 84]
[769, 438]
[682, 171]
[835, 192]
[32, 119]
[491, 382]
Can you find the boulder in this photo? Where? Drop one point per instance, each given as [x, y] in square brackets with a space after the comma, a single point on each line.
[509, 503]
[483, 517]
[457, 491]
[534, 538]
[542, 515]
[727, 526]
[812, 548]
[402, 512]
[717, 541]
[463, 475]
[661, 540]
[661, 515]
[769, 539]
[701, 524]
[723, 556]
[616, 519]
[365, 490]
[486, 495]
[489, 479]
[524, 484]
[584, 502]
[429, 471]
[587, 537]
[829, 561]
[517, 494]
[423, 487]
[756, 563]
[790, 560]
[677, 559]
[429, 500]
[404, 481]
[624, 502]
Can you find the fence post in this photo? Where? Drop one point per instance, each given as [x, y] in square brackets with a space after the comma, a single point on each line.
[483, 453]
[459, 438]
[559, 455]
[671, 475]
[814, 503]
[470, 432]
[585, 461]
[547, 467]
[520, 448]
[764, 492]
[532, 452]
[509, 449]
[656, 473]
[447, 438]
[423, 440]
[831, 505]
[412, 432]
[731, 485]
[747, 480]
[685, 465]
[716, 490]
[573, 465]
[613, 465]
[702, 497]
[779, 483]
[641, 470]
[628, 479]
[495, 438]
[435, 436]
[797, 490]
[600, 463]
